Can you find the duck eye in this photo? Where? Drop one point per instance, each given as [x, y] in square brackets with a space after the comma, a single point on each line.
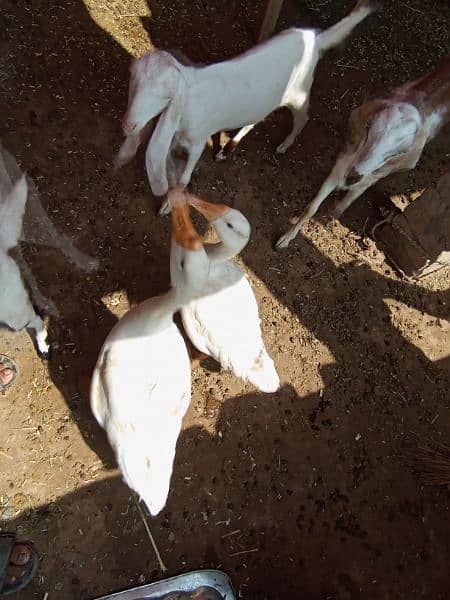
[182, 264]
[230, 225]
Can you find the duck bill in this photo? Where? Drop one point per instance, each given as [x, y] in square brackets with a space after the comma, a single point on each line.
[183, 232]
[210, 211]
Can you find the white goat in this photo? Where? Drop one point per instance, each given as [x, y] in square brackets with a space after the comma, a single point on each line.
[16, 310]
[23, 218]
[386, 135]
[197, 102]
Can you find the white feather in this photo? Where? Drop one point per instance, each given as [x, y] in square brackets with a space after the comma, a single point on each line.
[141, 386]
[224, 322]
[140, 392]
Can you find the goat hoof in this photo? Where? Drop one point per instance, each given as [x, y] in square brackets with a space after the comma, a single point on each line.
[165, 209]
[221, 155]
[92, 265]
[337, 213]
[45, 355]
[281, 149]
[283, 242]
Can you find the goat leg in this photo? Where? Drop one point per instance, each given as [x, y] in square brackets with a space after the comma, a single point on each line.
[299, 120]
[38, 334]
[231, 145]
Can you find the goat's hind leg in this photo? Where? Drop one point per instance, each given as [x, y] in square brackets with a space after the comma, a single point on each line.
[328, 186]
[38, 333]
[355, 192]
[28, 319]
[231, 145]
[20, 311]
[43, 303]
[299, 120]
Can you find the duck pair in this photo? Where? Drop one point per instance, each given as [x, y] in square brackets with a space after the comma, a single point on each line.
[141, 387]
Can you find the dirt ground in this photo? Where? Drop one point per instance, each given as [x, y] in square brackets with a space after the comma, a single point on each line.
[308, 493]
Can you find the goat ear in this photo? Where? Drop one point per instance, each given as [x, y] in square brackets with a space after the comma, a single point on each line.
[11, 214]
[178, 102]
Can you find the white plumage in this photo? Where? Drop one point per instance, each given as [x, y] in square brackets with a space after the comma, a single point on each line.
[140, 391]
[141, 387]
[224, 322]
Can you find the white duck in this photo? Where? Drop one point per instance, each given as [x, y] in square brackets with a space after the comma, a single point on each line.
[141, 386]
[224, 322]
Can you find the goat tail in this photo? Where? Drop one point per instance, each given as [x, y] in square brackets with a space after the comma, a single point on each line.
[336, 34]
[80, 259]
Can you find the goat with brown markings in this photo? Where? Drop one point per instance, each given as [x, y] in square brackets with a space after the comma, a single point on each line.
[386, 135]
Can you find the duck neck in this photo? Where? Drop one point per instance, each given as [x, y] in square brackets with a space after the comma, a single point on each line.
[176, 298]
[220, 252]
[226, 249]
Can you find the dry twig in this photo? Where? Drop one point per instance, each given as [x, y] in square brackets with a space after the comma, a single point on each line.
[162, 566]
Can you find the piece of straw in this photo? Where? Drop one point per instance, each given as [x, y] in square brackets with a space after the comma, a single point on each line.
[162, 566]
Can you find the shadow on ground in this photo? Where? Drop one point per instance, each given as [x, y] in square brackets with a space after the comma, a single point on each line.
[295, 494]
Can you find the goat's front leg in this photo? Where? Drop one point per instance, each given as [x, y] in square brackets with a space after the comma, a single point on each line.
[230, 146]
[127, 150]
[174, 169]
[194, 154]
[156, 170]
[130, 145]
[299, 120]
[158, 150]
[173, 176]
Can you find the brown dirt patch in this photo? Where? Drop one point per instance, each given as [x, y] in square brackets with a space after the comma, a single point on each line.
[311, 477]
